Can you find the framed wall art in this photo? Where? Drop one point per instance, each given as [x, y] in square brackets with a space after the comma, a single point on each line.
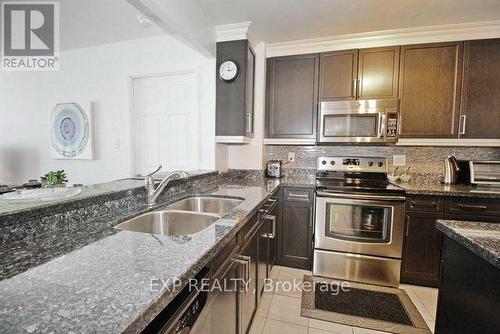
[72, 131]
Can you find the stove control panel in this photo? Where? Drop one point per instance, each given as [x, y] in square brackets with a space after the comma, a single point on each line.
[353, 164]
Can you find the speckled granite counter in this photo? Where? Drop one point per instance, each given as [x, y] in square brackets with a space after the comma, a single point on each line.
[105, 286]
[90, 193]
[440, 189]
[483, 239]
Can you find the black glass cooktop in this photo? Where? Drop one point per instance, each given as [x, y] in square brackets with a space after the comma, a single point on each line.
[355, 182]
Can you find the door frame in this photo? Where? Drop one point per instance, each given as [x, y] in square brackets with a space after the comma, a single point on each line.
[188, 70]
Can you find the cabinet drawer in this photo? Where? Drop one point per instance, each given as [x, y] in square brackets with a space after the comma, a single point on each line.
[424, 203]
[248, 229]
[298, 195]
[473, 206]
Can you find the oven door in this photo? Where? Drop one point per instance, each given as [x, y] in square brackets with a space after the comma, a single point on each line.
[352, 126]
[360, 224]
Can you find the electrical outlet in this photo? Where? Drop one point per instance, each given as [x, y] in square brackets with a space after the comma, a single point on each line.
[399, 160]
[291, 157]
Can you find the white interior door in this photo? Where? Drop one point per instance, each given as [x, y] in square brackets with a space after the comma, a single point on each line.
[166, 122]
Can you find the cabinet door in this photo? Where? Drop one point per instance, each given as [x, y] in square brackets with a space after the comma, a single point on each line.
[480, 114]
[230, 96]
[429, 89]
[248, 292]
[249, 92]
[421, 249]
[378, 73]
[292, 96]
[263, 254]
[273, 238]
[338, 73]
[296, 235]
[224, 305]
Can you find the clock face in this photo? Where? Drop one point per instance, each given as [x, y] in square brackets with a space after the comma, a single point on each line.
[228, 70]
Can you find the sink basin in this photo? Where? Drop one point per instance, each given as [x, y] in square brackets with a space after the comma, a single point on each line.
[217, 205]
[169, 222]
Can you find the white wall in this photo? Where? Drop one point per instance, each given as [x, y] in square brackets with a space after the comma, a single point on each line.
[250, 156]
[100, 74]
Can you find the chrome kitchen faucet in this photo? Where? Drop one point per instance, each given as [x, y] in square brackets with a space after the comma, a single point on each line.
[152, 193]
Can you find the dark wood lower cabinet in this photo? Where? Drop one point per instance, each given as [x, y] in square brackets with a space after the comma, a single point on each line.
[421, 249]
[295, 234]
[423, 242]
[225, 304]
[469, 296]
[272, 228]
[248, 291]
[263, 257]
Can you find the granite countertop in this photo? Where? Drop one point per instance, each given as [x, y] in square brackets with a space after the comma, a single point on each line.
[483, 239]
[440, 189]
[107, 286]
[88, 193]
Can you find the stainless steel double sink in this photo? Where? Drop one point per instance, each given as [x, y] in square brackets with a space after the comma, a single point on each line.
[186, 216]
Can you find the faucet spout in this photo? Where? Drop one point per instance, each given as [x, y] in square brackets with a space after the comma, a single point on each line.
[152, 193]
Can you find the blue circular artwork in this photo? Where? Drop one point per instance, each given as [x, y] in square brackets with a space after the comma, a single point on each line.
[70, 129]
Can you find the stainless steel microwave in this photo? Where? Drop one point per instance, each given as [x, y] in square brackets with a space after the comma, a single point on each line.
[360, 121]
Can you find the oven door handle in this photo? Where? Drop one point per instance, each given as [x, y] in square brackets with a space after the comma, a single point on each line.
[362, 196]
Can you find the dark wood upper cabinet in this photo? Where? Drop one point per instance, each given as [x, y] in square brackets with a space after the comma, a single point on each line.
[291, 106]
[234, 100]
[338, 75]
[480, 109]
[429, 88]
[359, 74]
[378, 71]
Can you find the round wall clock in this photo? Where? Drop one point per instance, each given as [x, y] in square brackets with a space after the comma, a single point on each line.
[228, 71]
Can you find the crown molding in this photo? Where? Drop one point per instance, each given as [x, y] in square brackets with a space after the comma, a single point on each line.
[429, 34]
[234, 32]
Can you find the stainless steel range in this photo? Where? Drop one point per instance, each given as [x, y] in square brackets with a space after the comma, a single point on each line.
[359, 221]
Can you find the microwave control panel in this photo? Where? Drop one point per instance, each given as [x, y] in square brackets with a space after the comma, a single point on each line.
[392, 125]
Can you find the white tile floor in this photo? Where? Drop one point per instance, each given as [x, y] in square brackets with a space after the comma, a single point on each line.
[279, 311]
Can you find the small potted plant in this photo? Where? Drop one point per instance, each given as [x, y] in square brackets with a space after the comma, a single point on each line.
[54, 179]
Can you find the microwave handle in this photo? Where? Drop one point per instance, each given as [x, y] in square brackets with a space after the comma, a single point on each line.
[381, 125]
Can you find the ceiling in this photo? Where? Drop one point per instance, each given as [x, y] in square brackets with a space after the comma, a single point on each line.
[282, 20]
[87, 23]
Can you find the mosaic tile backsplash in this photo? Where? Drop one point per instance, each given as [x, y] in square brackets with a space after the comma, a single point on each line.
[422, 159]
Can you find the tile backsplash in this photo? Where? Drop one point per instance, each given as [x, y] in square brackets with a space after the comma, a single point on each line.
[422, 159]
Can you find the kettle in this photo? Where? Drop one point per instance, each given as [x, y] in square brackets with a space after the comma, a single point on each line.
[451, 170]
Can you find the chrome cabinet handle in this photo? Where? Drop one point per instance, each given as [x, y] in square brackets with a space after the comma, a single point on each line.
[354, 88]
[463, 121]
[471, 207]
[298, 195]
[249, 122]
[358, 88]
[245, 260]
[434, 205]
[271, 235]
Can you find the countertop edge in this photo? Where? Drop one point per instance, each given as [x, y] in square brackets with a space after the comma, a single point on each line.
[473, 246]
